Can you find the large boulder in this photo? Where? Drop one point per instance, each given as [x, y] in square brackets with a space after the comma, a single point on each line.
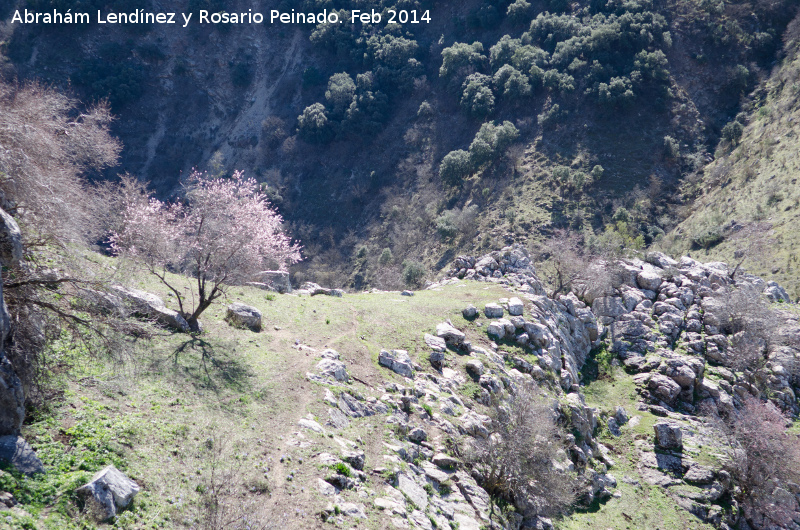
[108, 491]
[151, 306]
[15, 450]
[244, 316]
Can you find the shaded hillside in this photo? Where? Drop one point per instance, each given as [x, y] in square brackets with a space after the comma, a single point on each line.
[640, 89]
[745, 203]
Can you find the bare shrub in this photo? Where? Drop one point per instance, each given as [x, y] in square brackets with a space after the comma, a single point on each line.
[763, 462]
[231, 497]
[752, 242]
[566, 266]
[754, 325]
[516, 462]
[47, 144]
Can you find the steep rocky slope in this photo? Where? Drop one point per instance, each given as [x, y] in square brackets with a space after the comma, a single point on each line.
[356, 410]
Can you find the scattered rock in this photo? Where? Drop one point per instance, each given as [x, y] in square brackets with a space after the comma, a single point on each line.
[469, 312]
[437, 359]
[417, 435]
[354, 458]
[450, 334]
[311, 425]
[108, 491]
[493, 310]
[326, 489]
[398, 361]
[244, 316]
[474, 368]
[435, 343]
[352, 509]
[515, 307]
[334, 369]
[668, 435]
[445, 461]
[649, 280]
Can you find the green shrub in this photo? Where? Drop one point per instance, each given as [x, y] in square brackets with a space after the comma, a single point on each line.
[340, 92]
[386, 257]
[511, 83]
[519, 12]
[461, 57]
[446, 224]
[477, 98]
[413, 273]
[455, 166]
[314, 125]
[342, 469]
[672, 148]
[732, 132]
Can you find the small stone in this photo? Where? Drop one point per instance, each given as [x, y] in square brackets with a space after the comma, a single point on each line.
[469, 312]
[474, 368]
[407, 293]
[445, 461]
[417, 435]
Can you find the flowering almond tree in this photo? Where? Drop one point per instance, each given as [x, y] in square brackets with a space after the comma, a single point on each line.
[223, 233]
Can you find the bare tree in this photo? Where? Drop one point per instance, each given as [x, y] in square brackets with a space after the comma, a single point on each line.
[515, 463]
[47, 144]
[764, 463]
